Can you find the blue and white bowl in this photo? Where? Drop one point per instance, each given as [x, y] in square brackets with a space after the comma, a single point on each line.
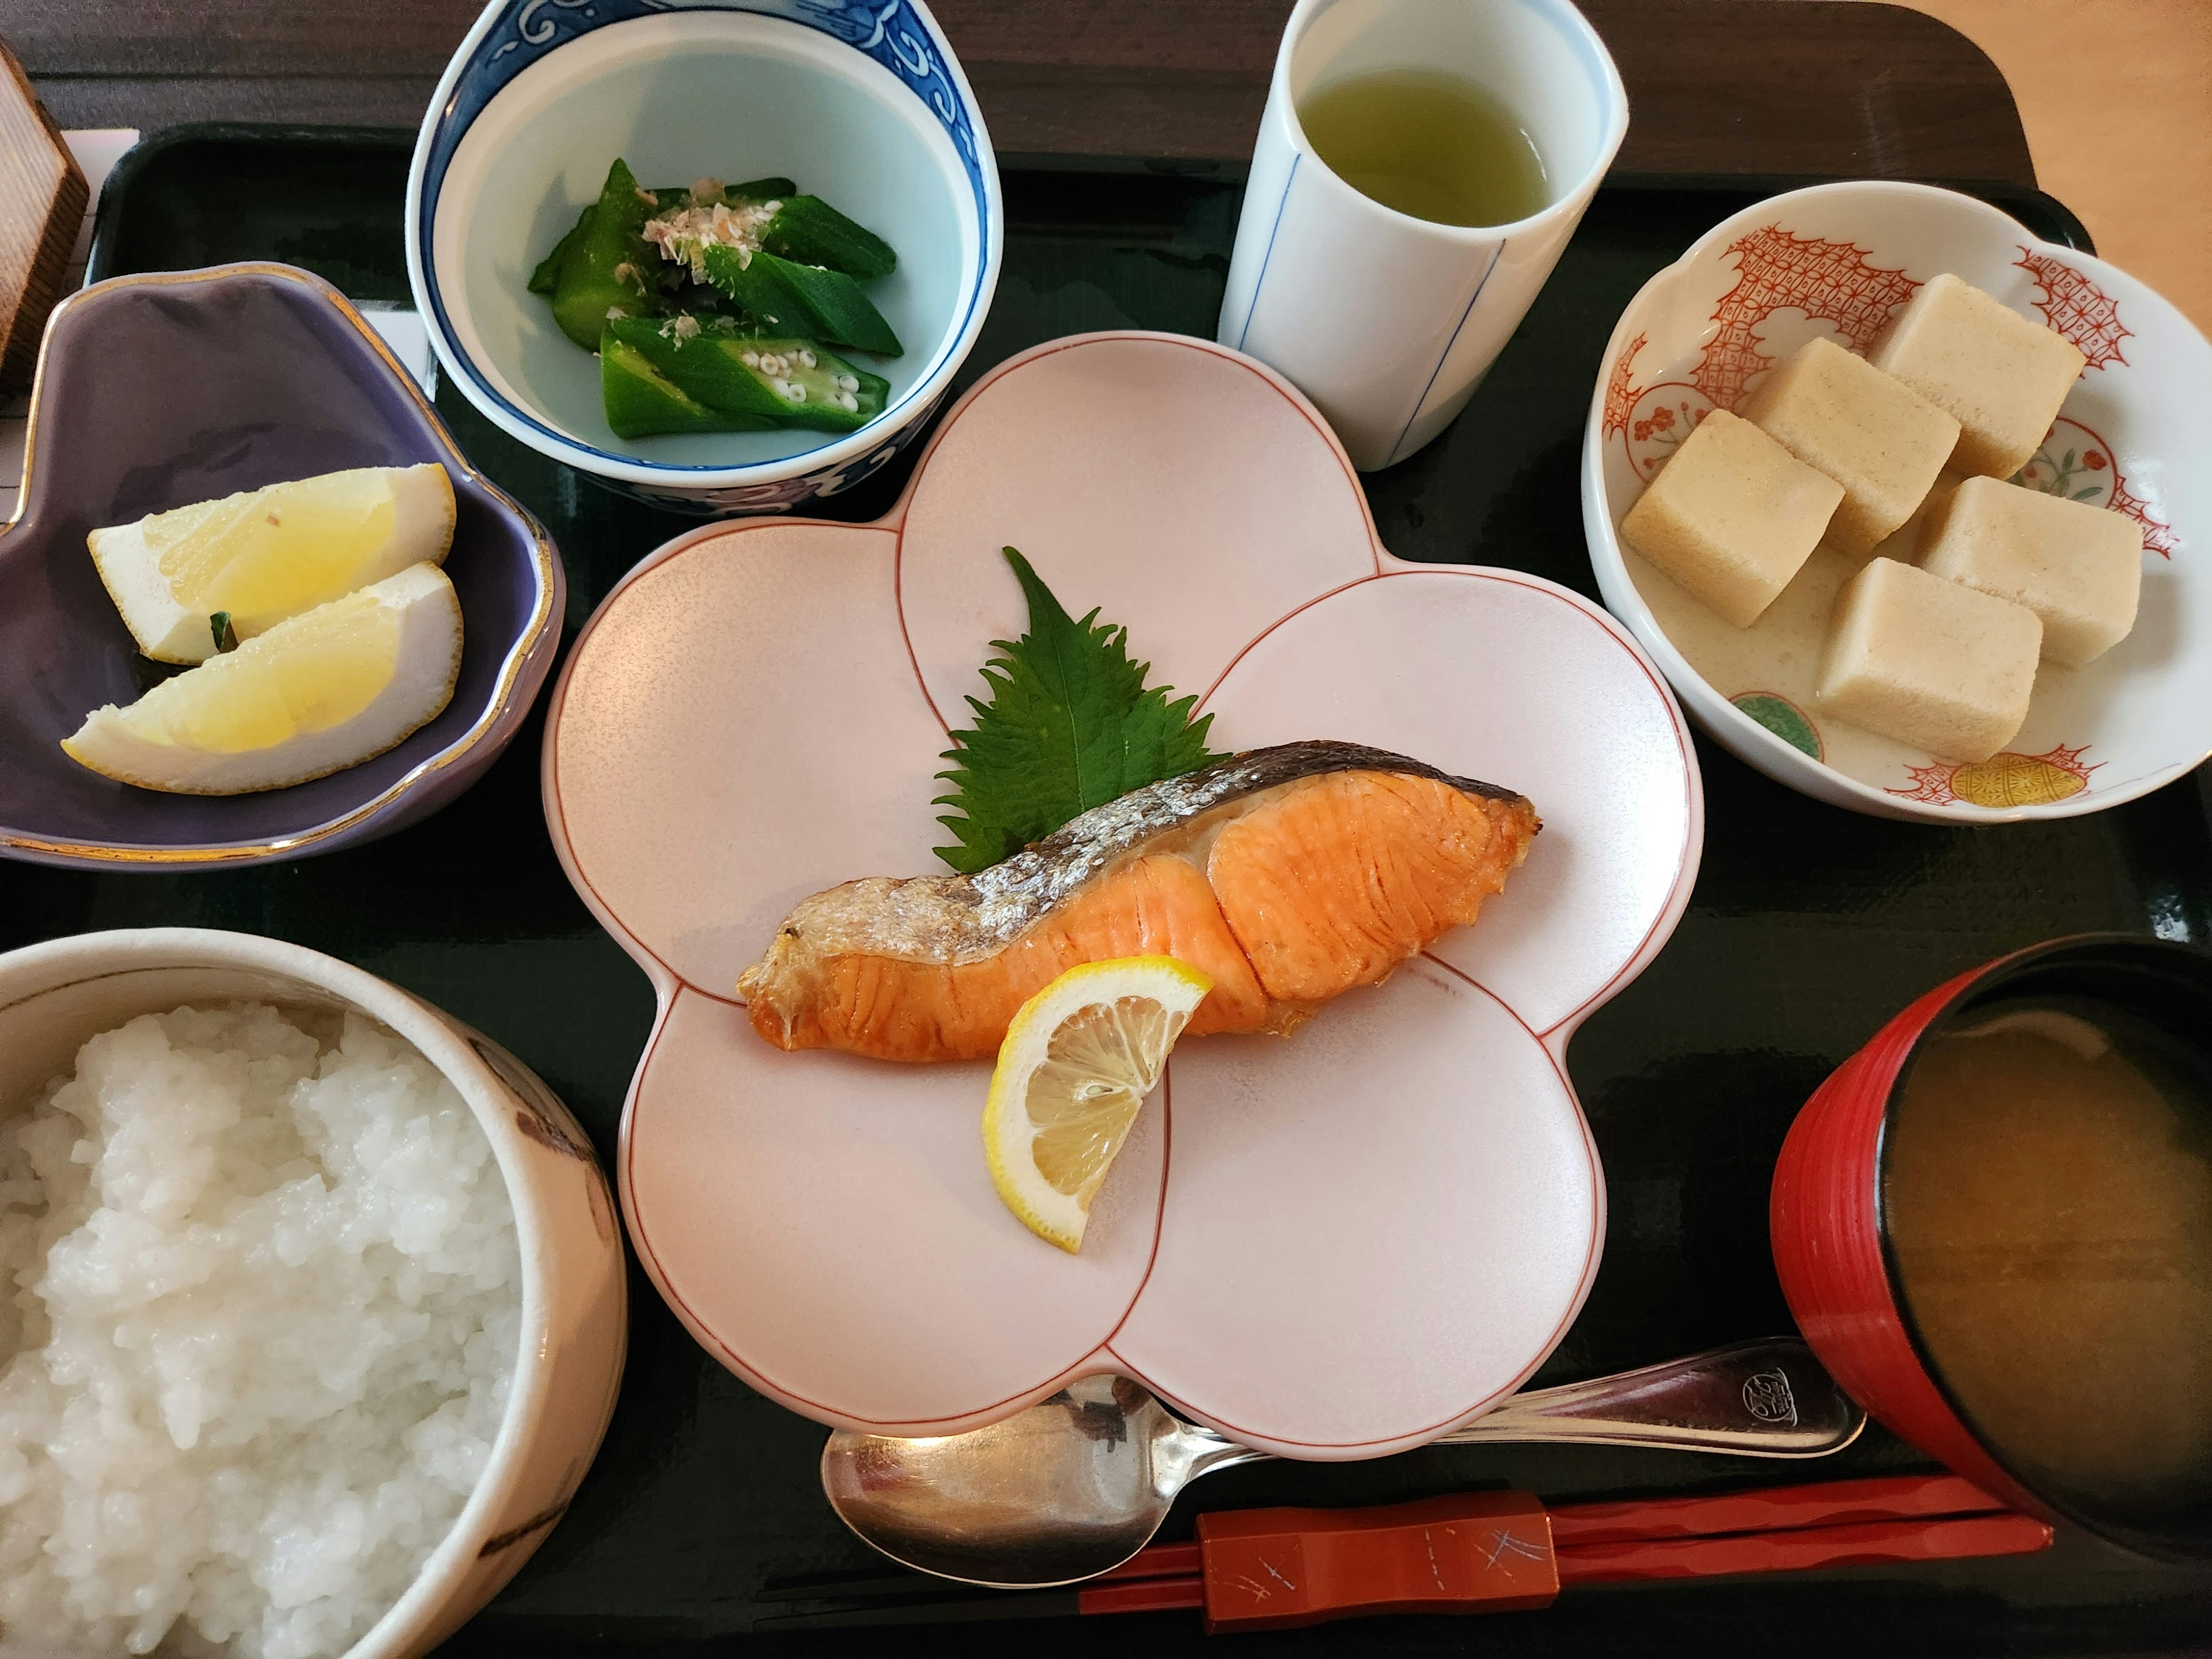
[861, 101]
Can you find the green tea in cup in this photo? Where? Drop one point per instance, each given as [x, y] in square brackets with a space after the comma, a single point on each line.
[1406, 144]
[1430, 145]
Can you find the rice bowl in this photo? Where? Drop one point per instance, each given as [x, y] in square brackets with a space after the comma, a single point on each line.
[266, 1313]
[316, 1310]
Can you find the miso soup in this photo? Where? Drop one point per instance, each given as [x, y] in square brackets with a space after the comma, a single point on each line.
[2048, 1197]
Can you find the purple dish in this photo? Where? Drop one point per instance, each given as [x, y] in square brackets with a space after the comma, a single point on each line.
[159, 390]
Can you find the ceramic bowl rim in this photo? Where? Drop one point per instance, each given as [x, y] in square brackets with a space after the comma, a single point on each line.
[77, 958]
[545, 565]
[529, 427]
[1751, 741]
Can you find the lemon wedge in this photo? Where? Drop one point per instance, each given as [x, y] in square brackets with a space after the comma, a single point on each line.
[326, 690]
[1077, 1062]
[268, 554]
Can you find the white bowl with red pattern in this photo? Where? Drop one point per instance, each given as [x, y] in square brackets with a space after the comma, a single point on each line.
[1838, 260]
[1332, 1245]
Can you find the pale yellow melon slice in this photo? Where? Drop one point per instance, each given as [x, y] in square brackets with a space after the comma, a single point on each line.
[268, 554]
[316, 693]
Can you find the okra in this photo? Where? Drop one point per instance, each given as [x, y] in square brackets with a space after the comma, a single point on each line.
[699, 300]
[810, 231]
[547, 276]
[805, 229]
[606, 266]
[777, 380]
[642, 403]
[753, 190]
[785, 297]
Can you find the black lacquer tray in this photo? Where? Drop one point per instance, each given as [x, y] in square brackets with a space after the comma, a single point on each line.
[1808, 927]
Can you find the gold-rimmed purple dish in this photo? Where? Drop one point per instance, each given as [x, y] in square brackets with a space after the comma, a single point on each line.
[160, 389]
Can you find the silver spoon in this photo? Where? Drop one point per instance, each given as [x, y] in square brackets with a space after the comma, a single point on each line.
[1079, 1483]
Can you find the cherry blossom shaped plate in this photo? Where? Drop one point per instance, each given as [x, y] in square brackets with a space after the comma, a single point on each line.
[1838, 260]
[1336, 1245]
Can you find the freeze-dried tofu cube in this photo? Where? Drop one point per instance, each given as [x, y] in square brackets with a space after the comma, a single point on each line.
[2001, 375]
[1905, 542]
[2077, 567]
[1877, 437]
[1732, 516]
[1929, 662]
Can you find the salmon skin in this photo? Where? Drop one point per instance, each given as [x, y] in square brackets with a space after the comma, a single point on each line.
[1287, 874]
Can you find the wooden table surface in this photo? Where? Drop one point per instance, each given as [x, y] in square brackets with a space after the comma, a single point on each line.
[2116, 95]
[1717, 85]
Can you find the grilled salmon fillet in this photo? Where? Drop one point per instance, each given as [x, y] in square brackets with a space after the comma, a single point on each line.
[1287, 875]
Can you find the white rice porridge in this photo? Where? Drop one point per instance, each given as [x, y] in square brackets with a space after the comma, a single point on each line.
[260, 1317]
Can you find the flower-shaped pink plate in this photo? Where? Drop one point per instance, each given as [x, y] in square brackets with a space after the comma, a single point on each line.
[1336, 1245]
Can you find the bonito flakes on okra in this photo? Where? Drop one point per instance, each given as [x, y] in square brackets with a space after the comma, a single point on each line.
[717, 307]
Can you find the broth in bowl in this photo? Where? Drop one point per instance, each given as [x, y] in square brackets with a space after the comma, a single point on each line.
[2047, 1199]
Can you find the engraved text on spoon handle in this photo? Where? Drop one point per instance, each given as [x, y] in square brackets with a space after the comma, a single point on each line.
[1764, 1399]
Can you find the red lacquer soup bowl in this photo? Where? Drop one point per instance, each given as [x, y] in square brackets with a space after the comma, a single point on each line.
[1837, 1213]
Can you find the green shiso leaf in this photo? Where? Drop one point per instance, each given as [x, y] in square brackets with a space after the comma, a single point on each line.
[1070, 725]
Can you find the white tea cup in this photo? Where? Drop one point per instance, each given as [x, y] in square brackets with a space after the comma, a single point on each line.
[1386, 321]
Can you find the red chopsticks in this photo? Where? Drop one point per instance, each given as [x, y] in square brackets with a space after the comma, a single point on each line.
[1499, 1550]
[1478, 1552]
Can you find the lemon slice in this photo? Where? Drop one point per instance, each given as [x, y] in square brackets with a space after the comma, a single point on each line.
[320, 691]
[1077, 1062]
[268, 554]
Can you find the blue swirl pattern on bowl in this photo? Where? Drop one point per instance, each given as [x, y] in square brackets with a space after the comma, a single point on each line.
[159, 390]
[513, 36]
[894, 34]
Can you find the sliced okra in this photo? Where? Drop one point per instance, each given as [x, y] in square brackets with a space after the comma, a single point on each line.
[777, 379]
[784, 297]
[642, 403]
[808, 231]
[753, 190]
[606, 265]
[547, 277]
